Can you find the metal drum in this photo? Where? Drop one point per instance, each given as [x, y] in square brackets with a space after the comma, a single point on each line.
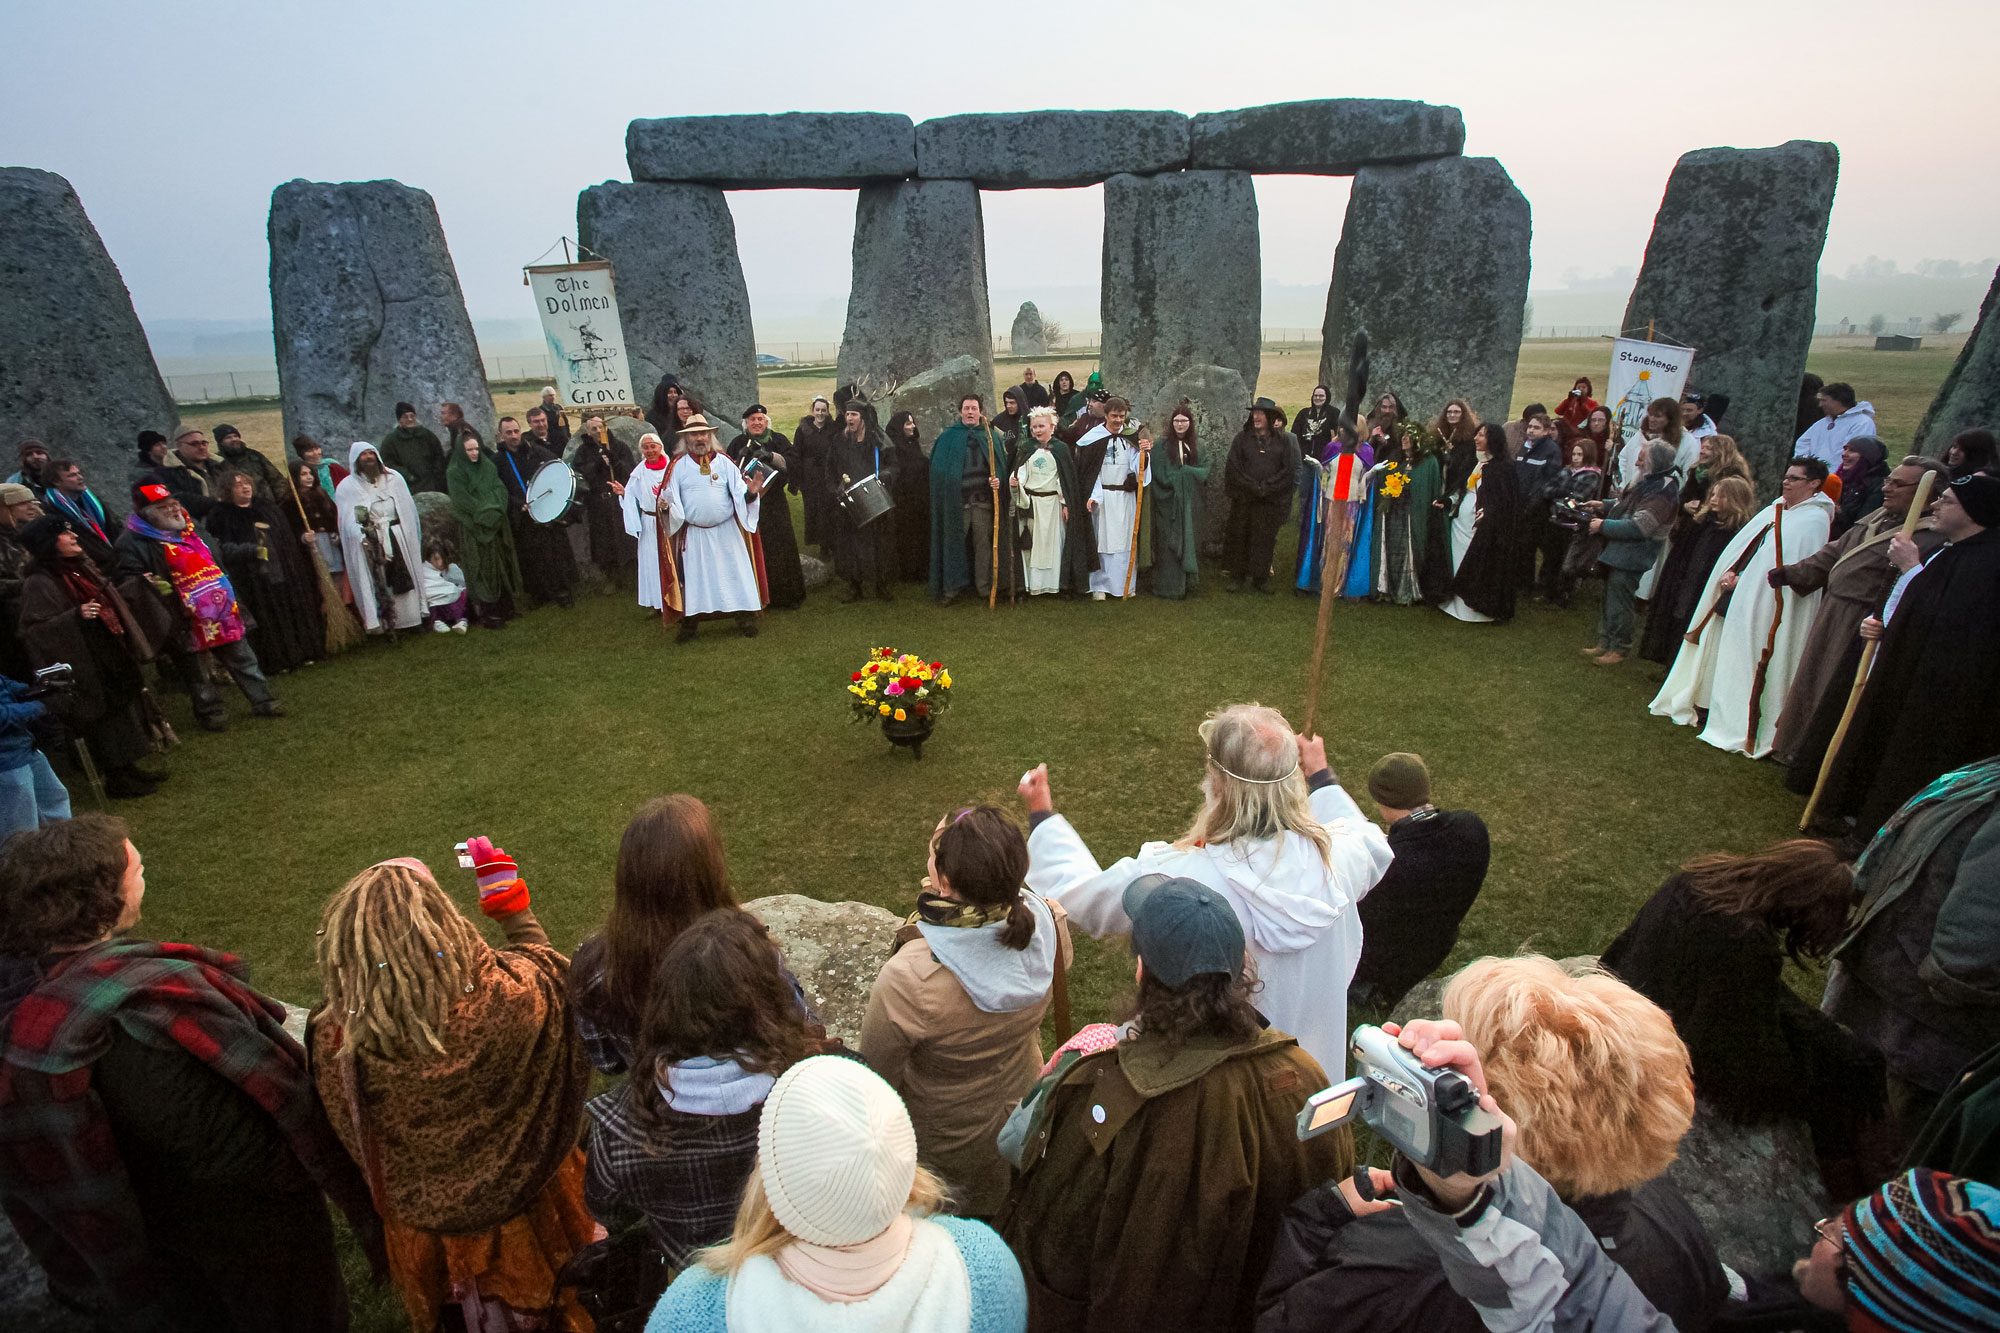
[866, 500]
[552, 492]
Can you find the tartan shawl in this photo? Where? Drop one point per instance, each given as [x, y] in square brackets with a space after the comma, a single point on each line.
[62, 1181]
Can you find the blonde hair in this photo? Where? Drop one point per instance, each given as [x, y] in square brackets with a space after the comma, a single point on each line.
[758, 1230]
[394, 956]
[1591, 1070]
[1039, 413]
[1252, 789]
[1725, 459]
[1731, 499]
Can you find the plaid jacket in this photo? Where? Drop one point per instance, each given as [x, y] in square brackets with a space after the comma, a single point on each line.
[687, 1188]
[62, 1181]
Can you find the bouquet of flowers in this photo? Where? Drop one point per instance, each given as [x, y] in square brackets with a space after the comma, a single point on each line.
[1395, 480]
[899, 687]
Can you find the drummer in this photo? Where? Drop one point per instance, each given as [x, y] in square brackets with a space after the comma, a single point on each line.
[548, 565]
[864, 551]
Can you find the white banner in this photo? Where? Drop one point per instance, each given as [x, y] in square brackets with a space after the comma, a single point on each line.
[1640, 372]
[579, 310]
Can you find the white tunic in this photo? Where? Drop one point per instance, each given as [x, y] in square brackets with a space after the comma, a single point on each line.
[1717, 672]
[1041, 562]
[641, 507]
[392, 516]
[715, 511]
[1462, 524]
[1300, 914]
[1112, 519]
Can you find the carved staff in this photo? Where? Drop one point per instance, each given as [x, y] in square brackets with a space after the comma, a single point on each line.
[1138, 508]
[993, 489]
[1770, 639]
[1357, 389]
[1868, 650]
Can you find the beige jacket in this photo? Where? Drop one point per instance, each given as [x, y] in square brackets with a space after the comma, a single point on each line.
[959, 1069]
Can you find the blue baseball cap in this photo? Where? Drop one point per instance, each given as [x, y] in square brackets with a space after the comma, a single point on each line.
[1182, 929]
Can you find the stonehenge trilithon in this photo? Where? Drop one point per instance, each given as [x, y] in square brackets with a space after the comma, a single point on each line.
[681, 296]
[798, 149]
[75, 369]
[1041, 149]
[1334, 136]
[1732, 270]
[1970, 395]
[1433, 263]
[919, 289]
[366, 310]
[1183, 280]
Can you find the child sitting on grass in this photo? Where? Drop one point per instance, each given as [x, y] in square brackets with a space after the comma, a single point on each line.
[444, 588]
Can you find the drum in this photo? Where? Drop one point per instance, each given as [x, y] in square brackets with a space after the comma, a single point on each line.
[866, 500]
[552, 492]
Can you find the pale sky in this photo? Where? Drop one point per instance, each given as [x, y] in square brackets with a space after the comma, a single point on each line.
[174, 122]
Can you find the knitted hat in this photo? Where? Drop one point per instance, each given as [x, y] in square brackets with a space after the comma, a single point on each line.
[149, 493]
[1923, 1252]
[1980, 494]
[836, 1151]
[14, 493]
[1400, 781]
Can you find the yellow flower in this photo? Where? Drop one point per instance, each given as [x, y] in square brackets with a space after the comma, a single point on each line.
[901, 716]
[945, 680]
[883, 709]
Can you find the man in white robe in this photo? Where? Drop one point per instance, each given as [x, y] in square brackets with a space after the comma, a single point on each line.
[1719, 672]
[1040, 500]
[1124, 466]
[377, 495]
[711, 515]
[1277, 837]
[641, 505]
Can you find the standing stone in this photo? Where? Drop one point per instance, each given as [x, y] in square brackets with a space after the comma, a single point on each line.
[1183, 282]
[1332, 136]
[1433, 262]
[794, 150]
[1220, 400]
[1014, 150]
[366, 311]
[682, 300]
[919, 293]
[75, 369]
[834, 949]
[1970, 396]
[1732, 270]
[933, 396]
[1028, 337]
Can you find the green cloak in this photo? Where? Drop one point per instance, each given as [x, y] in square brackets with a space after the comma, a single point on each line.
[479, 500]
[1176, 519]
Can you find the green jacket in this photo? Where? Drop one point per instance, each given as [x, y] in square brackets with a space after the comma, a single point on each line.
[417, 454]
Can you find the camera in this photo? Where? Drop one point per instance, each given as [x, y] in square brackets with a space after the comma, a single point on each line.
[1568, 512]
[1431, 1116]
[464, 855]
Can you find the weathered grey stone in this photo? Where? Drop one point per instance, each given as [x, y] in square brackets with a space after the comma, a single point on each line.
[434, 516]
[366, 311]
[919, 291]
[627, 430]
[1433, 263]
[1331, 136]
[834, 949]
[1028, 337]
[75, 369]
[681, 296]
[797, 149]
[816, 571]
[933, 396]
[1183, 283]
[1970, 395]
[1220, 401]
[1013, 150]
[1755, 1188]
[1732, 270]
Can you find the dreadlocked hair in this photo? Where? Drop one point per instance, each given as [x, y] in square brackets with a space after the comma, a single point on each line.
[394, 955]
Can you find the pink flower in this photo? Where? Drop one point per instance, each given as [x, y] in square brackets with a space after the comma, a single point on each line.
[894, 687]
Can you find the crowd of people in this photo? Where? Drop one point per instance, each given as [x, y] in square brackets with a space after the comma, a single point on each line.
[660, 1131]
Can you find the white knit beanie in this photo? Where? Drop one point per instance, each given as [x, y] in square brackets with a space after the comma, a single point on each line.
[836, 1151]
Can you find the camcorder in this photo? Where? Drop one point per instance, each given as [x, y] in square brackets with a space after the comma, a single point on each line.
[51, 679]
[1567, 511]
[1431, 1116]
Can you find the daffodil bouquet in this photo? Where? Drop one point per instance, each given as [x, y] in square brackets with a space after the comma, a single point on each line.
[899, 687]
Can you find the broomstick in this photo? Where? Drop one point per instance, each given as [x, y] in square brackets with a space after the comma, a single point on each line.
[341, 631]
[1910, 521]
[1770, 639]
[1357, 389]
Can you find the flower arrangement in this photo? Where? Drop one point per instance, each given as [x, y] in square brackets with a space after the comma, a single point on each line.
[899, 687]
[1395, 480]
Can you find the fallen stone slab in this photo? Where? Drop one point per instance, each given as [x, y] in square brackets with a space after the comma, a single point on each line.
[1732, 270]
[1433, 263]
[76, 371]
[1970, 395]
[366, 311]
[918, 294]
[791, 150]
[834, 949]
[1015, 150]
[1332, 136]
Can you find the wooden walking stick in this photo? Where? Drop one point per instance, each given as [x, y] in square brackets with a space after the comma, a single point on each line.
[1138, 508]
[341, 631]
[1357, 389]
[1771, 638]
[1868, 650]
[993, 489]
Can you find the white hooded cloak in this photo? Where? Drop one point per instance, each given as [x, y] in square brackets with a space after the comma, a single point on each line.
[393, 515]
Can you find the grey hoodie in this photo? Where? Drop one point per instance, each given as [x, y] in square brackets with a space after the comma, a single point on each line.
[997, 979]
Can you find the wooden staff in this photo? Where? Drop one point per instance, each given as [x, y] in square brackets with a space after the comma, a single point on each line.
[1770, 639]
[1138, 508]
[993, 489]
[1868, 650]
[1357, 389]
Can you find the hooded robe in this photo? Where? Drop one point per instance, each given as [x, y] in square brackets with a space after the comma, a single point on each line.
[486, 549]
[1482, 584]
[391, 517]
[274, 579]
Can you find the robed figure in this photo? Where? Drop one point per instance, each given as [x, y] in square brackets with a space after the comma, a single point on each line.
[1403, 517]
[1115, 469]
[812, 445]
[548, 561]
[865, 554]
[712, 513]
[381, 542]
[262, 550]
[1484, 519]
[1044, 489]
[644, 507]
[601, 468]
[1732, 666]
[1179, 472]
[1334, 488]
[777, 455]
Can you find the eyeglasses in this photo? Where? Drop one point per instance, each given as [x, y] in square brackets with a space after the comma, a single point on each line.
[1789, 478]
[1828, 1229]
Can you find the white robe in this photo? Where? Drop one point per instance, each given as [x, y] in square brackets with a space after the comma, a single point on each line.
[1041, 561]
[641, 507]
[1112, 519]
[715, 510]
[1301, 916]
[1717, 672]
[393, 516]
[1462, 524]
